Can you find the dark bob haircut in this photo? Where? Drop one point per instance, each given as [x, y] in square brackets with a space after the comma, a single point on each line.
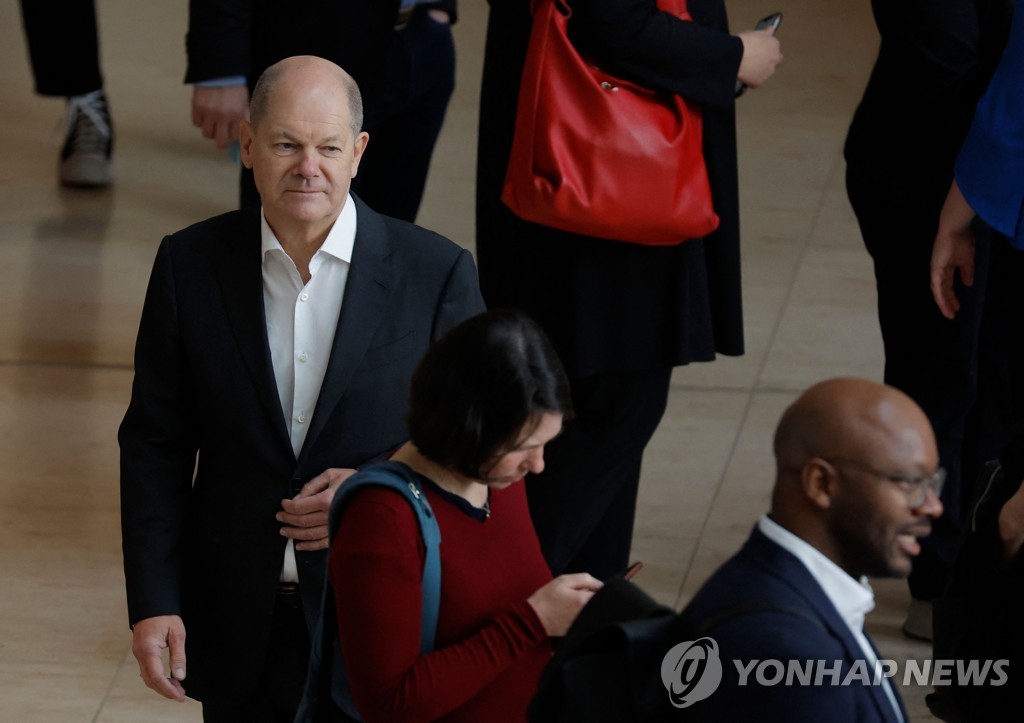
[479, 386]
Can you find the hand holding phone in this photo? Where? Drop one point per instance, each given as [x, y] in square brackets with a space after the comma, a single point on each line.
[771, 22]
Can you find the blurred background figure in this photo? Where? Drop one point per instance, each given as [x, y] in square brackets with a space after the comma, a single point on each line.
[620, 315]
[400, 52]
[934, 61]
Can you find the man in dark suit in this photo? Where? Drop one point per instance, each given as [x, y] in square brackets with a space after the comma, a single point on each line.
[278, 346]
[400, 52]
[857, 484]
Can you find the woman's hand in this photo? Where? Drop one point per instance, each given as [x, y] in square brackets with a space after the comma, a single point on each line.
[761, 54]
[559, 602]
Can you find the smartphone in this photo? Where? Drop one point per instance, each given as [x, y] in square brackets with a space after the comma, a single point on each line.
[771, 22]
[630, 572]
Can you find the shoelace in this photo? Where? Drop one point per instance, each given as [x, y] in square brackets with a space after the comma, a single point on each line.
[88, 136]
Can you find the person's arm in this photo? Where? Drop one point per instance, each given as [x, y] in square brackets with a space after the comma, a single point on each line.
[1011, 529]
[990, 166]
[218, 111]
[158, 453]
[218, 47]
[953, 251]
[218, 40]
[461, 297]
[689, 58]
[376, 565]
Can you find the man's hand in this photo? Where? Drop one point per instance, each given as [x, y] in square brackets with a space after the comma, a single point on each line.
[150, 637]
[305, 517]
[219, 110]
[953, 251]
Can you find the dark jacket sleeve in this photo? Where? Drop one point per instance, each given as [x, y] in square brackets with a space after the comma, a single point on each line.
[698, 60]
[218, 39]
[461, 298]
[158, 454]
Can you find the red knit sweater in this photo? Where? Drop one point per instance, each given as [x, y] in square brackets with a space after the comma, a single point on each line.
[490, 646]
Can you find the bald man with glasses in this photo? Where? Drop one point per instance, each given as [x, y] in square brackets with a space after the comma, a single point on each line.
[857, 486]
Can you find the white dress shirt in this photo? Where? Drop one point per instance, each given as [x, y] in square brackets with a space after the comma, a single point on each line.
[852, 599]
[301, 321]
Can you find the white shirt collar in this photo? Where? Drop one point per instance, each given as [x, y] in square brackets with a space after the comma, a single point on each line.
[340, 239]
[852, 598]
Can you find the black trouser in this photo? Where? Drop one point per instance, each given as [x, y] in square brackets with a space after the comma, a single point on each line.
[63, 46]
[277, 695]
[584, 502]
[958, 371]
[404, 111]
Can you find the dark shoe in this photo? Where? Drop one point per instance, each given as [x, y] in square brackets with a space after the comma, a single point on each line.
[85, 158]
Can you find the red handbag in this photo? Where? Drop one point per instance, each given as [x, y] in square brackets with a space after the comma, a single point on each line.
[601, 156]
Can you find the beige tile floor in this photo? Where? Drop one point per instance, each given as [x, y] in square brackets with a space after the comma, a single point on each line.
[73, 268]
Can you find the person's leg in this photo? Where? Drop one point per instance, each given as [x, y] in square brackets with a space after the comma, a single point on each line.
[932, 359]
[63, 47]
[404, 114]
[584, 501]
[277, 694]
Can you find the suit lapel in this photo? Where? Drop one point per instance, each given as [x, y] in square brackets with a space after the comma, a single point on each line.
[790, 569]
[240, 273]
[367, 293]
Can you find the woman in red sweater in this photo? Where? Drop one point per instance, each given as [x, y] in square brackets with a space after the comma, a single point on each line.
[483, 403]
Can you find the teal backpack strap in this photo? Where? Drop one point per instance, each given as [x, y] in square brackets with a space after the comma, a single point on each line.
[326, 679]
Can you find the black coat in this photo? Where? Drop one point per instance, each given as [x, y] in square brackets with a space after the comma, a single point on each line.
[934, 62]
[607, 305]
[210, 550]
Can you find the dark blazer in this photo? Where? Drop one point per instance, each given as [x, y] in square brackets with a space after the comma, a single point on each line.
[610, 306]
[765, 575]
[209, 549]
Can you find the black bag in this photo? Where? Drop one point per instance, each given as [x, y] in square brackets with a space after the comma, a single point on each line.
[607, 668]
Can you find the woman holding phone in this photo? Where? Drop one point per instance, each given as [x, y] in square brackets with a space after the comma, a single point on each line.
[485, 400]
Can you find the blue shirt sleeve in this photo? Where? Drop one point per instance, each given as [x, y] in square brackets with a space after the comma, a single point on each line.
[990, 167]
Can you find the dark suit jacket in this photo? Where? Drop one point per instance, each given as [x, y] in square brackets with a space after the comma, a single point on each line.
[764, 574]
[209, 549]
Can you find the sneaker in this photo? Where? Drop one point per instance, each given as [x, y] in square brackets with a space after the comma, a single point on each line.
[85, 158]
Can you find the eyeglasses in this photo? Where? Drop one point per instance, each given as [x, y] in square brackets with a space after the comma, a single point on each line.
[915, 488]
